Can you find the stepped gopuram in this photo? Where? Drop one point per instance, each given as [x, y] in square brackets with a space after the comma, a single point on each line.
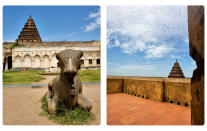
[29, 33]
[37, 54]
[176, 71]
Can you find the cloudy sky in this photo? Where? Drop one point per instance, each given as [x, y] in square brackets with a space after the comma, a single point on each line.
[147, 40]
[54, 23]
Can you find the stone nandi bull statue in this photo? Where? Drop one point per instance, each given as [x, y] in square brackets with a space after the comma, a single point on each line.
[67, 87]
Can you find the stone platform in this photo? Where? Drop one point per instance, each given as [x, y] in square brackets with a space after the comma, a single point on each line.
[124, 109]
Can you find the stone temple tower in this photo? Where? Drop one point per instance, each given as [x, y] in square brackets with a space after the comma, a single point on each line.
[29, 33]
[176, 71]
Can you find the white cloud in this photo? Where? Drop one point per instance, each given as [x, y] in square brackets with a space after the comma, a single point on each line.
[145, 28]
[140, 67]
[133, 46]
[95, 16]
[69, 35]
[116, 43]
[175, 57]
[58, 36]
[157, 51]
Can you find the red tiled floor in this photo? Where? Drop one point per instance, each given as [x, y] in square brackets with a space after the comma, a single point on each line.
[124, 109]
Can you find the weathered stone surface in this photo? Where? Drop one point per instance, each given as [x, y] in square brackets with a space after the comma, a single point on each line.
[196, 43]
[67, 87]
[178, 93]
[114, 86]
[172, 90]
[149, 89]
[29, 33]
[176, 71]
[42, 54]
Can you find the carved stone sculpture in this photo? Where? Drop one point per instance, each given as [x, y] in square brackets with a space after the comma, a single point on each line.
[67, 87]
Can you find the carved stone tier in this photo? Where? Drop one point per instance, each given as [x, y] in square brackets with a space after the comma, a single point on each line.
[176, 71]
[29, 33]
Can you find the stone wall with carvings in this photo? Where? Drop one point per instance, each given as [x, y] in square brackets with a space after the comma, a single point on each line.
[42, 54]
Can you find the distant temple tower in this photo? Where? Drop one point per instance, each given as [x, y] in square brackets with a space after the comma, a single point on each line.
[176, 71]
[29, 33]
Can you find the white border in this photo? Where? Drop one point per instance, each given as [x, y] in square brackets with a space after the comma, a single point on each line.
[103, 4]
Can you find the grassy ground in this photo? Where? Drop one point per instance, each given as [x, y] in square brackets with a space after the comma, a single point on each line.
[66, 116]
[90, 75]
[22, 77]
[28, 77]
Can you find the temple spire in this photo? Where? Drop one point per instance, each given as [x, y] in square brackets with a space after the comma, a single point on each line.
[29, 33]
[176, 71]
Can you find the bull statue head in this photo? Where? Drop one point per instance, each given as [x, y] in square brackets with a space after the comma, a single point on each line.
[69, 61]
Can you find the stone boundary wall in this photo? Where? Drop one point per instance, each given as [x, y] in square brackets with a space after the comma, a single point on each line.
[58, 43]
[114, 85]
[144, 88]
[178, 93]
[159, 89]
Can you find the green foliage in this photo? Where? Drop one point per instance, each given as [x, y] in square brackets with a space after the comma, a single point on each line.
[90, 75]
[66, 116]
[22, 77]
[15, 45]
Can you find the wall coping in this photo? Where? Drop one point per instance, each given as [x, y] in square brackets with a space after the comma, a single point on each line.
[183, 80]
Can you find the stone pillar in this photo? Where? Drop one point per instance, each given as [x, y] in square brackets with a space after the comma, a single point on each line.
[41, 60]
[50, 61]
[32, 62]
[6, 65]
[86, 62]
[196, 44]
[22, 61]
[94, 62]
[13, 60]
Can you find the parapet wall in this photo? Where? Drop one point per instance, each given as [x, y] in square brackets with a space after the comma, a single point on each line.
[178, 93]
[144, 88]
[159, 89]
[58, 43]
[114, 86]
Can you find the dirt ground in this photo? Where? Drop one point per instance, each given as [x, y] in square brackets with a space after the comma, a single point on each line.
[21, 105]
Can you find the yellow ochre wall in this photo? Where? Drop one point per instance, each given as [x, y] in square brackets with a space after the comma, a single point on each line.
[177, 91]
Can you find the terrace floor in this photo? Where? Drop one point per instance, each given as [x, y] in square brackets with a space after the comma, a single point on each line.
[124, 109]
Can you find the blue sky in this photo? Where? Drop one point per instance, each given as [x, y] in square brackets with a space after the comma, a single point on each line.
[54, 23]
[147, 40]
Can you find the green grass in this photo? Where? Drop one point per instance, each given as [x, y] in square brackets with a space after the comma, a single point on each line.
[90, 75]
[22, 77]
[28, 77]
[66, 116]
